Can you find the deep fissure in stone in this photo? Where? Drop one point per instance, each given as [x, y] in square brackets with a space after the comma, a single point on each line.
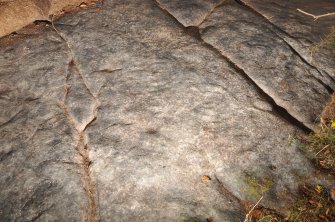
[329, 89]
[278, 110]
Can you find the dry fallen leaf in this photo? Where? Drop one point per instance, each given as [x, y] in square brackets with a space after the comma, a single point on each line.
[205, 178]
[256, 214]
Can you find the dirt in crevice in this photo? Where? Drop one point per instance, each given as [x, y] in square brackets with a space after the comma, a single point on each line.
[82, 149]
[82, 146]
[279, 111]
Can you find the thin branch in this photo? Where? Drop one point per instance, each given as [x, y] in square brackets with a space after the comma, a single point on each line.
[322, 149]
[316, 17]
[252, 209]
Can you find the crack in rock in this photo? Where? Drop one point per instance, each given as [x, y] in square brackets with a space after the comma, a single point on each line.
[277, 29]
[293, 84]
[80, 106]
[320, 80]
[278, 110]
[195, 13]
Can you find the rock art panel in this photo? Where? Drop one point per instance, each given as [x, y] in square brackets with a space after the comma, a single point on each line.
[172, 110]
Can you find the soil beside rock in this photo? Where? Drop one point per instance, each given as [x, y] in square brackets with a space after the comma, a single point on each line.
[16, 14]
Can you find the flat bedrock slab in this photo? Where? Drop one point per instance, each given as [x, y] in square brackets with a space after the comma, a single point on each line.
[190, 13]
[259, 49]
[40, 167]
[129, 116]
[300, 30]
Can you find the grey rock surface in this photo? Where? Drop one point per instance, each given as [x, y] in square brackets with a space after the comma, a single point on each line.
[192, 12]
[259, 50]
[120, 113]
[301, 31]
[268, 60]
[40, 167]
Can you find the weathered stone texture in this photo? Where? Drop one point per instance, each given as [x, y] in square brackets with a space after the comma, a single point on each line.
[250, 43]
[124, 114]
[40, 167]
[301, 31]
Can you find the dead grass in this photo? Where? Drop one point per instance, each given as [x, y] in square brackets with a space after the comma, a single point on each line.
[261, 214]
[327, 42]
[315, 202]
[321, 144]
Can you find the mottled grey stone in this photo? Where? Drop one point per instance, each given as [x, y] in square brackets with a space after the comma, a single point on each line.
[301, 31]
[250, 43]
[192, 12]
[128, 116]
[171, 110]
[40, 168]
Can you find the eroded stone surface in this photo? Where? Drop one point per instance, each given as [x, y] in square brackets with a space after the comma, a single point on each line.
[128, 116]
[300, 30]
[190, 13]
[258, 48]
[40, 166]
[251, 44]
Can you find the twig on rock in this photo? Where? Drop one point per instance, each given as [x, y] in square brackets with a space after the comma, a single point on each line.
[252, 209]
[316, 17]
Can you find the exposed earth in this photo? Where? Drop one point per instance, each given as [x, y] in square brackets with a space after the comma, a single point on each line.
[167, 110]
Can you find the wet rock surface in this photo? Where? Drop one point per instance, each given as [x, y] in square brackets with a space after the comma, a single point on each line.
[126, 111]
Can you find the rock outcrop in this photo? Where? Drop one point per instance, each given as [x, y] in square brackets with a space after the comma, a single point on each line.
[140, 110]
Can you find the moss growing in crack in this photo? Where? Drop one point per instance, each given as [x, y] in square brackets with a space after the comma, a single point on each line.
[312, 205]
[314, 202]
[256, 187]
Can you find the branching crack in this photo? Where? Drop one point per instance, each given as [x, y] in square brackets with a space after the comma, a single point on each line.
[82, 147]
[277, 110]
[210, 13]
